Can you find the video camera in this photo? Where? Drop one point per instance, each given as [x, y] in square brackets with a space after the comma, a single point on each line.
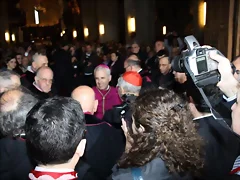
[196, 62]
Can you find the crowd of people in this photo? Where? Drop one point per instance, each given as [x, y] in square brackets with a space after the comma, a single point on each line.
[115, 112]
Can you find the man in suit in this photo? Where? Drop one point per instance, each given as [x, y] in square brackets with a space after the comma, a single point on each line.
[9, 80]
[38, 60]
[41, 87]
[89, 61]
[105, 143]
[55, 137]
[14, 160]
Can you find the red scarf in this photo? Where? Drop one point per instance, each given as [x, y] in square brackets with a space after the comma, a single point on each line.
[40, 175]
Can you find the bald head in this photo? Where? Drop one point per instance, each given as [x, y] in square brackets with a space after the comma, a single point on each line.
[133, 57]
[132, 63]
[86, 97]
[9, 100]
[44, 79]
[14, 106]
[8, 80]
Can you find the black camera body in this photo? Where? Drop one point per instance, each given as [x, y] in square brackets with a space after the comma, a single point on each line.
[196, 62]
[121, 110]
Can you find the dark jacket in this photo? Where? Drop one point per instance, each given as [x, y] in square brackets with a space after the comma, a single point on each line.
[93, 59]
[164, 81]
[116, 70]
[27, 79]
[147, 81]
[63, 72]
[221, 149]
[105, 146]
[39, 94]
[14, 161]
[142, 56]
[114, 116]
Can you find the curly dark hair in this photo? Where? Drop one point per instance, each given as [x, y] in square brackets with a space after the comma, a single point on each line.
[169, 133]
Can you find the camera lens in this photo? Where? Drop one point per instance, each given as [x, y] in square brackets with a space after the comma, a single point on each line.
[177, 64]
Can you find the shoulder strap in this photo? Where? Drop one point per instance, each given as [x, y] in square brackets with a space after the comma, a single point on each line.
[136, 173]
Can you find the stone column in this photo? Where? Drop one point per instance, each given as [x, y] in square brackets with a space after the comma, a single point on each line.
[145, 21]
[198, 28]
[3, 19]
[107, 12]
[129, 11]
[144, 13]
[236, 30]
[218, 29]
[89, 18]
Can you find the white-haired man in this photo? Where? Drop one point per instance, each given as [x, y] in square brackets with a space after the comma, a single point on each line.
[8, 80]
[42, 85]
[129, 86]
[106, 95]
[38, 60]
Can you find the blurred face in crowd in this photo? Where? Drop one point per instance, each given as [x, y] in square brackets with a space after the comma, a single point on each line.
[164, 65]
[114, 57]
[19, 59]
[237, 65]
[180, 77]
[83, 49]
[175, 51]
[105, 58]
[44, 79]
[40, 62]
[236, 115]
[119, 45]
[150, 54]
[135, 48]
[159, 45]
[14, 82]
[148, 49]
[66, 47]
[102, 79]
[25, 61]
[72, 50]
[12, 64]
[89, 49]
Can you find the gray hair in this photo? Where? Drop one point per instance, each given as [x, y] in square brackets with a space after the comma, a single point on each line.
[36, 56]
[5, 79]
[101, 67]
[43, 68]
[13, 112]
[129, 88]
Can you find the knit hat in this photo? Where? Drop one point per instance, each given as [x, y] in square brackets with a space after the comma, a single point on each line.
[132, 78]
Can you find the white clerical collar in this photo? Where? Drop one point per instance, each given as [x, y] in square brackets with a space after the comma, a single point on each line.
[29, 68]
[105, 89]
[139, 70]
[42, 169]
[36, 86]
[201, 117]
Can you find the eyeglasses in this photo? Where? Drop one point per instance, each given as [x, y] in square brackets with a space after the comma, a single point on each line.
[50, 81]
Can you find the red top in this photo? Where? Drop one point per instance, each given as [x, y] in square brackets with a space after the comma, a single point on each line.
[41, 175]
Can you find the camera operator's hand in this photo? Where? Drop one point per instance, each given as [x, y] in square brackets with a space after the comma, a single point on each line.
[228, 84]
[194, 111]
[74, 59]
